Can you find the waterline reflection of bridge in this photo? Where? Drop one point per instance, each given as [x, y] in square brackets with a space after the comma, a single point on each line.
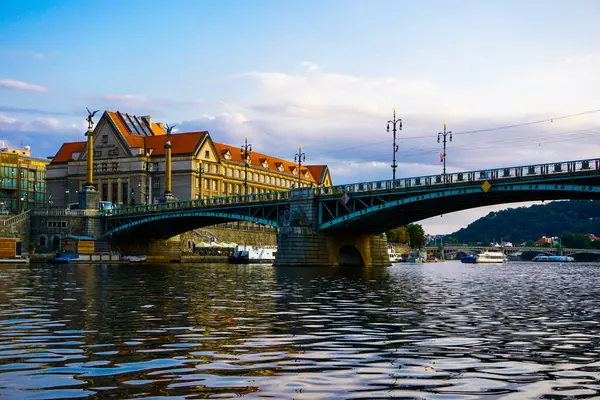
[315, 225]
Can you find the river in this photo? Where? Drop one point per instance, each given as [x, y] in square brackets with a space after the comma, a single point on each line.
[432, 331]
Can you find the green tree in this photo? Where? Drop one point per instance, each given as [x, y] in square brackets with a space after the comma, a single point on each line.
[132, 201]
[451, 240]
[416, 235]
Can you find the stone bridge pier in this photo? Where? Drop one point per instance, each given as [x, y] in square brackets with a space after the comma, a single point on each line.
[300, 244]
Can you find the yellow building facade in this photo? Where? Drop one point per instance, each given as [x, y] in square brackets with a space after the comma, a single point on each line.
[129, 165]
[22, 180]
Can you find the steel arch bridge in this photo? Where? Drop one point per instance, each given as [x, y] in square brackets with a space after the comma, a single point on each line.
[367, 207]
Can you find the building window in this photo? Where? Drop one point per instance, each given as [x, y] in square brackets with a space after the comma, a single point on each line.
[104, 139]
[98, 153]
[206, 183]
[113, 152]
[214, 184]
[206, 154]
[156, 183]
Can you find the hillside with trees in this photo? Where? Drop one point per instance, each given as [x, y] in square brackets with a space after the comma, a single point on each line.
[527, 224]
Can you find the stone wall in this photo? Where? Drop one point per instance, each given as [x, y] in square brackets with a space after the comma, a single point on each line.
[222, 235]
[20, 229]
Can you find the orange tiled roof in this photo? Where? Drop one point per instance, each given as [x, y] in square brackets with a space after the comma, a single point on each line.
[256, 160]
[125, 123]
[317, 171]
[183, 143]
[65, 153]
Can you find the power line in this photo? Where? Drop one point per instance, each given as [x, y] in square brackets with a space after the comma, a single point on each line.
[467, 132]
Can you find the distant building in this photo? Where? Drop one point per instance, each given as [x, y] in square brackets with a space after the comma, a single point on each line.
[546, 240]
[129, 165]
[22, 180]
[593, 237]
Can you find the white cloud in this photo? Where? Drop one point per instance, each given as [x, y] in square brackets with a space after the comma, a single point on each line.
[19, 85]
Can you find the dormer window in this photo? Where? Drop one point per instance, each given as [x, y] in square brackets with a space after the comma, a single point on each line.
[294, 170]
[227, 155]
[279, 166]
[264, 162]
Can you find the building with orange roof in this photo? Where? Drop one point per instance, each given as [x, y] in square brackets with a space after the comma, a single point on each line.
[129, 165]
[22, 180]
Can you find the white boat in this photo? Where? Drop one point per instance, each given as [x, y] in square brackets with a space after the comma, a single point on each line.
[491, 257]
[394, 257]
[253, 254]
[545, 258]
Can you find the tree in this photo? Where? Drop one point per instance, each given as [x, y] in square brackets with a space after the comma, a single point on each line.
[132, 201]
[398, 235]
[451, 240]
[416, 235]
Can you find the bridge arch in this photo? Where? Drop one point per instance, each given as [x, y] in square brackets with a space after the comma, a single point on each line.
[349, 256]
[407, 208]
[169, 224]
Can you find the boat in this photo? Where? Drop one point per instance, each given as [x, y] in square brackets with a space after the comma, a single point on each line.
[253, 255]
[491, 257]
[545, 258]
[133, 259]
[470, 259]
[64, 258]
[394, 257]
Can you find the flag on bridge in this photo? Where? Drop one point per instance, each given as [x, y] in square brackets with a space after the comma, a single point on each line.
[441, 157]
[396, 150]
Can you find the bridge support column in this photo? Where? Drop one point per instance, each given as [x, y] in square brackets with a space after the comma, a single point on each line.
[299, 244]
[156, 251]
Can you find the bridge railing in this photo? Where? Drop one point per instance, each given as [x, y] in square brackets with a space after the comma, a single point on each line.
[199, 203]
[63, 212]
[524, 171]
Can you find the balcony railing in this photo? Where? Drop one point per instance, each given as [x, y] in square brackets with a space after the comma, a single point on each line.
[63, 212]
[15, 220]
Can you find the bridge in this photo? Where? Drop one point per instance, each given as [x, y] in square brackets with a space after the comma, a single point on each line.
[452, 251]
[342, 224]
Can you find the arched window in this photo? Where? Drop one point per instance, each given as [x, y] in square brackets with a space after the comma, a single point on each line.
[43, 241]
[55, 243]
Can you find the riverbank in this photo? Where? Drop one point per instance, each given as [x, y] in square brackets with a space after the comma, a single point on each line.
[116, 259]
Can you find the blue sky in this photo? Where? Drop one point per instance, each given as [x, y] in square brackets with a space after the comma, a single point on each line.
[326, 74]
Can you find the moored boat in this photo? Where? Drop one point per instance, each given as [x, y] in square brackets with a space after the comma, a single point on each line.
[253, 255]
[394, 257]
[470, 259]
[491, 257]
[545, 258]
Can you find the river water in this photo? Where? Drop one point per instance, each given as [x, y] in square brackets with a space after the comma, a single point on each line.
[434, 331]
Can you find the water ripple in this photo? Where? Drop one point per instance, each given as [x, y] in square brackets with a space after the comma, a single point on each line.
[444, 331]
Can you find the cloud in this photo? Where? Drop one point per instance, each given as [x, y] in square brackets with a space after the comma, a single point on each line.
[45, 135]
[310, 66]
[19, 85]
[34, 111]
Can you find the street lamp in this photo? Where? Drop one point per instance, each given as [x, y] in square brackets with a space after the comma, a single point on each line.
[396, 126]
[443, 157]
[245, 151]
[200, 172]
[300, 156]
[148, 169]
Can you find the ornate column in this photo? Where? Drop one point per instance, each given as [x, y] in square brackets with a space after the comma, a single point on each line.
[89, 196]
[168, 196]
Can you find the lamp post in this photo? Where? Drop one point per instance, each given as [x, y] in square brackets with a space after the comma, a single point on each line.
[245, 151]
[396, 126]
[200, 172]
[148, 169]
[299, 156]
[444, 135]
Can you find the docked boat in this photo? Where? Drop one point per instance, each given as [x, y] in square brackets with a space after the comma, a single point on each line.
[470, 259]
[394, 257]
[545, 258]
[491, 257]
[253, 255]
[133, 258]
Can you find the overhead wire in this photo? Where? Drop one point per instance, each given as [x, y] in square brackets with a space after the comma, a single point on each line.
[497, 128]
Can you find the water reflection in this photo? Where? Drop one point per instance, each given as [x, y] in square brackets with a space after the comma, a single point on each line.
[442, 331]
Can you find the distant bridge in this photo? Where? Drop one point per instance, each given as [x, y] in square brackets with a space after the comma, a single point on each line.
[453, 250]
[347, 216]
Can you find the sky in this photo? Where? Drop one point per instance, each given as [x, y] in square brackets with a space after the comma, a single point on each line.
[325, 74]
